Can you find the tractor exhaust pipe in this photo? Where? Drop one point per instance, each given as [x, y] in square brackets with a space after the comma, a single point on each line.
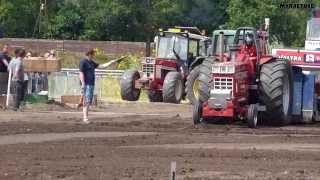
[221, 46]
[233, 49]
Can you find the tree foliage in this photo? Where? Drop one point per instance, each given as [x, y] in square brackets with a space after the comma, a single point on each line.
[287, 25]
[138, 20]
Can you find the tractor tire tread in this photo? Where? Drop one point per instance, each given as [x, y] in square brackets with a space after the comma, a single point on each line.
[273, 75]
[127, 86]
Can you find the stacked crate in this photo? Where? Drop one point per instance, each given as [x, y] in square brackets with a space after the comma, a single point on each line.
[41, 64]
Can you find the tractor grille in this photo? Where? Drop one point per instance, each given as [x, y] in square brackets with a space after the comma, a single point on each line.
[148, 69]
[222, 83]
[221, 92]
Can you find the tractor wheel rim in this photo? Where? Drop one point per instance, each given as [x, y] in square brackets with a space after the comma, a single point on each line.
[195, 89]
[178, 90]
[285, 96]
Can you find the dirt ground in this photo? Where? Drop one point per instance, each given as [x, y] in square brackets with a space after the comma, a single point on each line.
[140, 140]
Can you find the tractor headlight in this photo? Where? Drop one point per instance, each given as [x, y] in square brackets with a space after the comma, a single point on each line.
[230, 69]
[215, 69]
[223, 69]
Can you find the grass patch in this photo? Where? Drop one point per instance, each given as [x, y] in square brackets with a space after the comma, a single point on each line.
[35, 99]
[72, 59]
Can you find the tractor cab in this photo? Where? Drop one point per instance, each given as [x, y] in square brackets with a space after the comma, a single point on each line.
[228, 38]
[172, 47]
[244, 50]
[249, 40]
[181, 45]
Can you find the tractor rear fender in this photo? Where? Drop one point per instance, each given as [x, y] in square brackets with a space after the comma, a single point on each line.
[196, 62]
[265, 59]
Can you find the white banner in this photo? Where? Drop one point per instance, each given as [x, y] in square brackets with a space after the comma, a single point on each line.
[312, 45]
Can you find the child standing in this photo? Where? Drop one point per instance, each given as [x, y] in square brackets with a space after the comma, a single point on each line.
[16, 68]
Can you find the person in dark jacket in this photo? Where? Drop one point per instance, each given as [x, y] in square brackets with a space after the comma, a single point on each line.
[87, 78]
[4, 58]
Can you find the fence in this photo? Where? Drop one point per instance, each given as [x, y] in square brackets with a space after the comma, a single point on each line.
[67, 82]
[98, 72]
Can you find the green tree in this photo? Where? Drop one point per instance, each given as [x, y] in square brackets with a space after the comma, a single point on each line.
[286, 25]
[68, 23]
[17, 17]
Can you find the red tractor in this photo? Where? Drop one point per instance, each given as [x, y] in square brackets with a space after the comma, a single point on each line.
[164, 76]
[245, 83]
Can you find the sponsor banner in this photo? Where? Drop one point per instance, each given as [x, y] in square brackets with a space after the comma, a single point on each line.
[299, 57]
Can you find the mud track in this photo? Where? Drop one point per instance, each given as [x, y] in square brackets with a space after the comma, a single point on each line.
[140, 140]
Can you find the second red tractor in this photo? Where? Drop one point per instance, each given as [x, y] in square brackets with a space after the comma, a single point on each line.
[178, 56]
[245, 83]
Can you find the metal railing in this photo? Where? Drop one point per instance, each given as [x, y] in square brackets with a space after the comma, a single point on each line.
[67, 80]
[98, 72]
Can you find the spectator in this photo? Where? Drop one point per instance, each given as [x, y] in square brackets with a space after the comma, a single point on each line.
[52, 54]
[87, 78]
[29, 54]
[4, 58]
[16, 68]
[46, 55]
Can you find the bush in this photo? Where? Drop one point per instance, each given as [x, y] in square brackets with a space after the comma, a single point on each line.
[72, 59]
[130, 62]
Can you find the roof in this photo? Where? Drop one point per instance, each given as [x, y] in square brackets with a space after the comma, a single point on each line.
[225, 32]
[190, 35]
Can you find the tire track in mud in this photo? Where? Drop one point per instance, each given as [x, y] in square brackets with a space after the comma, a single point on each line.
[235, 146]
[39, 138]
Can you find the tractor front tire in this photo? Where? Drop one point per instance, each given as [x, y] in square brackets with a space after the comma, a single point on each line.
[204, 79]
[127, 86]
[197, 113]
[155, 96]
[275, 91]
[252, 116]
[192, 85]
[173, 88]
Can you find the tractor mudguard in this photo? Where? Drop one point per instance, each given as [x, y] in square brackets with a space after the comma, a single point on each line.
[265, 59]
[197, 61]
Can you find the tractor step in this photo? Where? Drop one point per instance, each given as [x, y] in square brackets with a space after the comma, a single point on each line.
[261, 108]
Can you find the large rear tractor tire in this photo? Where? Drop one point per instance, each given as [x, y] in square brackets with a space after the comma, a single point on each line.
[173, 88]
[127, 86]
[204, 79]
[276, 92]
[155, 96]
[192, 85]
